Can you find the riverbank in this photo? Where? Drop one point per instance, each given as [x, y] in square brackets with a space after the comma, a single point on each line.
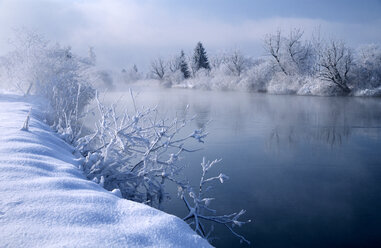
[46, 201]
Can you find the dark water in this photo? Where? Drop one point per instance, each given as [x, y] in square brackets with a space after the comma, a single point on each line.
[306, 169]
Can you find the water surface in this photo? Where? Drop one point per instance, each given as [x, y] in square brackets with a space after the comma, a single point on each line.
[306, 169]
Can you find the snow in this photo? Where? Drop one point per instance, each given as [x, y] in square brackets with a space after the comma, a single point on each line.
[47, 202]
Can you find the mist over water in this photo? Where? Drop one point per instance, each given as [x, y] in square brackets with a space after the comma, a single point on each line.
[306, 169]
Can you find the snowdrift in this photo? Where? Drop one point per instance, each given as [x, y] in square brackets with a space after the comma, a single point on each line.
[47, 202]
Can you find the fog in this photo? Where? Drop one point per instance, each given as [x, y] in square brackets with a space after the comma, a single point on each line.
[134, 32]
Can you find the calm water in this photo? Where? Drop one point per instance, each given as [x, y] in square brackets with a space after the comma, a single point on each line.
[306, 169]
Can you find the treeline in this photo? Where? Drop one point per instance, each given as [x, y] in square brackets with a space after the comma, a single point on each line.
[292, 65]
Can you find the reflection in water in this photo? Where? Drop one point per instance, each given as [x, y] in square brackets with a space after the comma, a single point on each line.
[306, 169]
[202, 112]
[288, 137]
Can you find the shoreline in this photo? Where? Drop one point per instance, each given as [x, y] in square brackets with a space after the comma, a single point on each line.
[47, 201]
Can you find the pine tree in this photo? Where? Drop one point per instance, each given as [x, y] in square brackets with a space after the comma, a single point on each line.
[183, 65]
[200, 59]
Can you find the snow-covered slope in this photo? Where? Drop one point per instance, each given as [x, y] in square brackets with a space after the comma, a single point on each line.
[45, 201]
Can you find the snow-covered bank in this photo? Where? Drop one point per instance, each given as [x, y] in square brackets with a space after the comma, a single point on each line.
[47, 202]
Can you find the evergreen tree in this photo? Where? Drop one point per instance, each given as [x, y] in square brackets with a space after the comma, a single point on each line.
[184, 65]
[200, 59]
[135, 68]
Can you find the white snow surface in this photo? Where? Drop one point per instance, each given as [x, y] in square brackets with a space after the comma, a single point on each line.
[45, 200]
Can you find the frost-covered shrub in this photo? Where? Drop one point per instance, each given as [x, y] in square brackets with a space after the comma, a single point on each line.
[283, 84]
[237, 63]
[258, 77]
[55, 73]
[23, 63]
[366, 73]
[131, 75]
[175, 78]
[136, 153]
[198, 205]
[369, 92]
[224, 82]
[316, 87]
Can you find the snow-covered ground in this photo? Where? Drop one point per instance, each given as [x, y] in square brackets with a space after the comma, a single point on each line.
[45, 201]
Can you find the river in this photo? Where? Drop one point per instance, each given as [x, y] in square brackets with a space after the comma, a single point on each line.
[306, 169]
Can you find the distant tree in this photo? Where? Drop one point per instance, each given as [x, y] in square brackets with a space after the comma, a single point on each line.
[106, 79]
[237, 63]
[299, 52]
[92, 56]
[135, 68]
[219, 59]
[131, 74]
[184, 65]
[273, 45]
[335, 63]
[158, 68]
[291, 53]
[367, 69]
[200, 59]
[174, 64]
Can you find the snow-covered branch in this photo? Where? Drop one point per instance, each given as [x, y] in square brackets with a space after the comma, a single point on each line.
[136, 153]
[198, 205]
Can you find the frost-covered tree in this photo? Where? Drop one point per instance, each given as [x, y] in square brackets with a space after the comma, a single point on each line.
[335, 62]
[130, 75]
[218, 60]
[291, 54]
[273, 46]
[158, 68]
[367, 67]
[299, 52]
[55, 73]
[174, 64]
[200, 58]
[22, 64]
[237, 63]
[179, 63]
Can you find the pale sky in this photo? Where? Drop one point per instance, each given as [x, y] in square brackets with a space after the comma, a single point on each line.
[133, 31]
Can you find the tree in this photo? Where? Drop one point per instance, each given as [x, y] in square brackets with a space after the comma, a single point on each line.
[237, 63]
[298, 51]
[158, 68]
[184, 65]
[55, 73]
[273, 45]
[200, 59]
[24, 62]
[179, 63]
[367, 70]
[291, 54]
[335, 63]
[135, 68]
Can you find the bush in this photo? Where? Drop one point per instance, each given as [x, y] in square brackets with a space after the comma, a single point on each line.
[55, 73]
